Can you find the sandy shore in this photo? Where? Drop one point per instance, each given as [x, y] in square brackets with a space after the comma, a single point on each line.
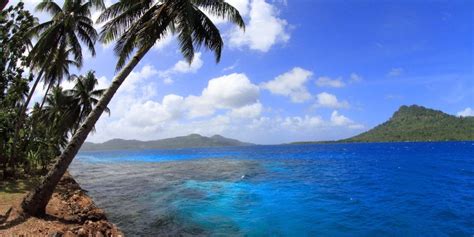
[70, 212]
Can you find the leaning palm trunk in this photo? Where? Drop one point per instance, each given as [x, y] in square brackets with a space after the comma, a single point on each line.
[35, 202]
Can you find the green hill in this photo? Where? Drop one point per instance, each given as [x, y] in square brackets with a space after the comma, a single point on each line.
[193, 140]
[417, 123]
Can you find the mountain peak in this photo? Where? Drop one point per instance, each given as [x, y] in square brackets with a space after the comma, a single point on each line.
[196, 135]
[416, 110]
[417, 123]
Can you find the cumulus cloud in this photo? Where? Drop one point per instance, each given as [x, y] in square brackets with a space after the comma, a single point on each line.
[151, 113]
[306, 122]
[131, 84]
[138, 115]
[182, 67]
[248, 111]
[341, 120]
[328, 100]
[227, 92]
[329, 82]
[164, 42]
[228, 105]
[264, 28]
[467, 112]
[291, 84]
[243, 6]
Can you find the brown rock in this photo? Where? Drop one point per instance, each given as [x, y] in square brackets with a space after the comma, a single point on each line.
[82, 232]
[70, 234]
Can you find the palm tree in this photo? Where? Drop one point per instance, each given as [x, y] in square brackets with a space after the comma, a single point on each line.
[68, 27]
[86, 95]
[61, 112]
[138, 25]
[59, 69]
[3, 3]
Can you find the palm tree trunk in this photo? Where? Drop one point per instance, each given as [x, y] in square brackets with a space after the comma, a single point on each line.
[21, 118]
[32, 91]
[45, 96]
[35, 202]
[3, 3]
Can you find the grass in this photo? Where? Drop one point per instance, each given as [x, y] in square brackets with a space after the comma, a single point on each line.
[13, 191]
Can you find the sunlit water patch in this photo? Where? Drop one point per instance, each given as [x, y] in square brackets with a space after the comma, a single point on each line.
[392, 189]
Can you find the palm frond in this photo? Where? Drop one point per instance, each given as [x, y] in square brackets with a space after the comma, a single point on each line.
[49, 6]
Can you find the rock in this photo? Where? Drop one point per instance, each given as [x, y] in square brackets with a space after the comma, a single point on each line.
[56, 234]
[70, 234]
[82, 232]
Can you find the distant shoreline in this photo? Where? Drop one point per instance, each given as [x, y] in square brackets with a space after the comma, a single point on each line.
[370, 142]
[283, 144]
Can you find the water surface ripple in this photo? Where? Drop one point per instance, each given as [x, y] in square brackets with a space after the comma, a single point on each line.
[386, 189]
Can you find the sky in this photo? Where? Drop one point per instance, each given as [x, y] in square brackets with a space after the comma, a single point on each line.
[302, 70]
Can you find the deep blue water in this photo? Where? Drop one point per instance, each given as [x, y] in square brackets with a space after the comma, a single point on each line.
[379, 189]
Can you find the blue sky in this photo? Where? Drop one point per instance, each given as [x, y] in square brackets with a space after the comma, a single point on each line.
[303, 70]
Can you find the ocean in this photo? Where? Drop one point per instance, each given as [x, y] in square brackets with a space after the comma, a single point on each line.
[373, 189]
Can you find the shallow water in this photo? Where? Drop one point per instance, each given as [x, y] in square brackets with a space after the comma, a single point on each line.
[379, 189]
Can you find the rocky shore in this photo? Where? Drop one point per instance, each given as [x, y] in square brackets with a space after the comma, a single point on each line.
[70, 212]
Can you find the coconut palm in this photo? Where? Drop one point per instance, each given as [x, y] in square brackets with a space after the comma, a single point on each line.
[137, 26]
[3, 3]
[61, 112]
[68, 27]
[86, 95]
[58, 70]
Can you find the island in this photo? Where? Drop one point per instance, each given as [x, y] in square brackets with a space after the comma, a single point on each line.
[415, 124]
[189, 141]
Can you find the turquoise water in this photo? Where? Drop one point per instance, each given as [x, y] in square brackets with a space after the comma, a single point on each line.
[379, 189]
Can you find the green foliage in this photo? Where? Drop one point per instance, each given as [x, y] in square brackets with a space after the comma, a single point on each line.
[139, 24]
[61, 37]
[30, 140]
[15, 23]
[417, 123]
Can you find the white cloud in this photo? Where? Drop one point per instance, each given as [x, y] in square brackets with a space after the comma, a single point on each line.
[467, 112]
[164, 42]
[168, 81]
[241, 5]
[395, 72]
[263, 30]
[151, 113]
[341, 120]
[131, 83]
[328, 100]
[291, 84]
[227, 92]
[182, 67]
[229, 105]
[136, 114]
[299, 123]
[355, 78]
[231, 67]
[328, 82]
[248, 111]
[302, 128]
